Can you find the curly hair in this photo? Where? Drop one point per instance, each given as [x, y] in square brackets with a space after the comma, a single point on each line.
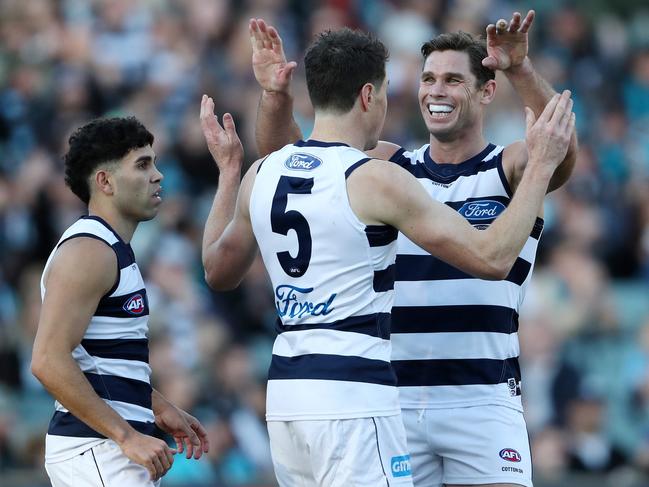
[475, 47]
[99, 142]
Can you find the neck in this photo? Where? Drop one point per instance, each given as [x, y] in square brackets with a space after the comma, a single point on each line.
[458, 149]
[124, 228]
[329, 127]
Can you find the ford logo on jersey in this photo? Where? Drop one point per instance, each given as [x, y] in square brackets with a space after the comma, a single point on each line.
[135, 305]
[292, 304]
[510, 455]
[400, 466]
[481, 210]
[302, 162]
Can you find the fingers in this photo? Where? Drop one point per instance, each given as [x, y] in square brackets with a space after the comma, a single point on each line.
[201, 432]
[529, 117]
[562, 109]
[209, 122]
[527, 22]
[263, 36]
[256, 38]
[548, 111]
[515, 24]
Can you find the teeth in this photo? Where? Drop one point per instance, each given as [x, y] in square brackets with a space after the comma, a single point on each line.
[440, 108]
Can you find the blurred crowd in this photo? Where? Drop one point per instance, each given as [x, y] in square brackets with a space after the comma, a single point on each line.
[585, 322]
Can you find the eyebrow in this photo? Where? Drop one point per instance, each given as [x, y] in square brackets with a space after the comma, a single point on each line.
[146, 158]
[448, 75]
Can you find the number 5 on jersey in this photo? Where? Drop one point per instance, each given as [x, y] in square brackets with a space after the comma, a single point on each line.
[282, 221]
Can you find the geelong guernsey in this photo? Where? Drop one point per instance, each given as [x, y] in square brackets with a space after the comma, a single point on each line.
[455, 337]
[333, 281]
[114, 351]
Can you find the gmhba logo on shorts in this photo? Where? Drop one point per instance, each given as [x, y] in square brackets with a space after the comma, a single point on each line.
[302, 162]
[400, 466]
[510, 455]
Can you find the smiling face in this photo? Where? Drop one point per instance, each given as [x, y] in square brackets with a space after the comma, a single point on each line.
[136, 185]
[450, 99]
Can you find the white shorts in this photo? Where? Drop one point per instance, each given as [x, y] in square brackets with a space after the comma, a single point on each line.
[363, 452]
[471, 445]
[103, 465]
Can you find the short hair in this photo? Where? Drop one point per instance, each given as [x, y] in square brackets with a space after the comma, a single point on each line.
[98, 142]
[475, 47]
[339, 63]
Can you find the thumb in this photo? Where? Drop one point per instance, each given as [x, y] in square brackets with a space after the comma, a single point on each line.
[490, 62]
[287, 72]
[530, 118]
[228, 123]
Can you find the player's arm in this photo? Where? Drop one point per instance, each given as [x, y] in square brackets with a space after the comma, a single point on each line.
[507, 47]
[229, 253]
[229, 245]
[188, 433]
[275, 126]
[397, 198]
[70, 300]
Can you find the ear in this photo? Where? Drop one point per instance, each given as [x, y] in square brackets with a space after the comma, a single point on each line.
[488, 92]
[103, 181]
[367, 96]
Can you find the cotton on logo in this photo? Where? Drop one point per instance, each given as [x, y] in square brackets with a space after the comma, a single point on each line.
[135, 305]
[510, 455]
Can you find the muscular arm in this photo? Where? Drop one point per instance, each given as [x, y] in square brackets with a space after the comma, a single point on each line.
[69, 303]
[381, 192]
[275, 125]
[229, 245]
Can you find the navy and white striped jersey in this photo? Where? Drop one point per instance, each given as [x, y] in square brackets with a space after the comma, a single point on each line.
[333, 280]
[455, 337]
[114, 351]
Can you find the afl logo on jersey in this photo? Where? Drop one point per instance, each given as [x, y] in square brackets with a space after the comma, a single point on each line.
[302, 162]
[481, 210]
[135, 305]
[510, 455]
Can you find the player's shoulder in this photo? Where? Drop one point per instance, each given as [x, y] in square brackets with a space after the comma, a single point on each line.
[514, 160]
[84, 259]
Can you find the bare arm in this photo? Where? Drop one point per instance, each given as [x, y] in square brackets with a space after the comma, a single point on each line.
[275, 126]
[396, 198]
[228, 255]
[229, 245]
[69, 303]
[507, 51]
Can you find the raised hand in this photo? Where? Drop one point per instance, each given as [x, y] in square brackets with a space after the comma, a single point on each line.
[269, 64]
[548, 136]
[507, 43]
[223, 142]
[187, 431]
[152, 453]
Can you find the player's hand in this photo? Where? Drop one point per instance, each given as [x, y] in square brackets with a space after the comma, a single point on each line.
[548, 137]
[223, 142]
[507, 43]
[269, 64]
[152, 453]
[187, 431]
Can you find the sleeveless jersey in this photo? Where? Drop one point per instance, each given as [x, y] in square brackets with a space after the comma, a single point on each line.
[455, 337]
[333, 281]
[114, 351]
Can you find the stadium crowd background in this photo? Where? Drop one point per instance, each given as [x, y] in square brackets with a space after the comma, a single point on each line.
[585, 323]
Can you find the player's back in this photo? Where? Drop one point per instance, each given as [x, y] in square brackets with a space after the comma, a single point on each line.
[333, 280]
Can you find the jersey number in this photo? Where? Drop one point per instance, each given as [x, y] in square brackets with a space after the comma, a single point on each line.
[281, 221]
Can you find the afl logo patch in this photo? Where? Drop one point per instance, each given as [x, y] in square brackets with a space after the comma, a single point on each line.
[481, 210]
[510, 455]
[135, 305]
[302, 162]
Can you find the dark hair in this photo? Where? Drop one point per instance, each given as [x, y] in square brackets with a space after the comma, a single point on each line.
[339, 63]
[475, 47]
[99, 142]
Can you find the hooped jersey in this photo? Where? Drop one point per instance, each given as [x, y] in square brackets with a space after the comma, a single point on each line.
[455, 337]
[333, 281]
[114, 352]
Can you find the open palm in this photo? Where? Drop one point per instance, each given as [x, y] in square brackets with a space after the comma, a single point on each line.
[507, 47]
[272, 71]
